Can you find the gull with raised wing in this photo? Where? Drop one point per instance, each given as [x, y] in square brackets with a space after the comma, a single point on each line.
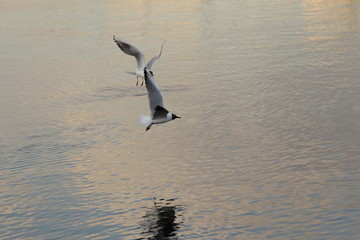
[158, 113]
[131, 50]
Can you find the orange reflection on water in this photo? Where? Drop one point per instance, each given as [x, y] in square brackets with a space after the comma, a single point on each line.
[329, 19]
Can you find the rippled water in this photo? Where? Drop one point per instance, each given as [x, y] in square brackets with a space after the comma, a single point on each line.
[267, 146]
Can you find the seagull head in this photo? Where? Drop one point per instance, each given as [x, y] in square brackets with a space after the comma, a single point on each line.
[173, 116]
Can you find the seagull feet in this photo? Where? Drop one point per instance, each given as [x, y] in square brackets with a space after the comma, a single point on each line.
[148, 127]
[142, 83]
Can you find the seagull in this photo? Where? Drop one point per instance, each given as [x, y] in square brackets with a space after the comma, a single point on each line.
[158, 113]
[138, 54]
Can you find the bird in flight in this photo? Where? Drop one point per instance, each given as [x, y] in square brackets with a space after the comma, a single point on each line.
[158, 113]
[131, 50]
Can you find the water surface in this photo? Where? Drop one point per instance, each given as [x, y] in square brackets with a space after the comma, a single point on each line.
[267, 146]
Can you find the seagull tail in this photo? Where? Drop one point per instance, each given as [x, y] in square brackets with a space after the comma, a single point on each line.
[145, 120]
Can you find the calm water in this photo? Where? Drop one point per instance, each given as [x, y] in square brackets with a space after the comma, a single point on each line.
[267, 147]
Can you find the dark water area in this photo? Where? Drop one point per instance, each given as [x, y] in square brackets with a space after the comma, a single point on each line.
[267, 146]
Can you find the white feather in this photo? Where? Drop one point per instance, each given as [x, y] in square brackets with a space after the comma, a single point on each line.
[145, 120]
[154, 93]
[151, 62]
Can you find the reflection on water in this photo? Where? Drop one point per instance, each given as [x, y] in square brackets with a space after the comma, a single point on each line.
[268, 146]
[161, 221]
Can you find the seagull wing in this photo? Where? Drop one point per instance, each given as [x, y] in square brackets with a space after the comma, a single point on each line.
[154, 93]
[151, 62]
[131, 50]
[160, 113]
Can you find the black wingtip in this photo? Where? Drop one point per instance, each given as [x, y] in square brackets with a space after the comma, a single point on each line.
[145, 72]
[160, 108]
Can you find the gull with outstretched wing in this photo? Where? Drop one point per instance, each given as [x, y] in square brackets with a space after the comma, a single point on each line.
[131, 50]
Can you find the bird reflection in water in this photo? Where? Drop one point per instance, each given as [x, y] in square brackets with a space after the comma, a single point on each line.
[161, 221]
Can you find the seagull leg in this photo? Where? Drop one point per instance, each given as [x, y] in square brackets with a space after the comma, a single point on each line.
[142, 83]
[148, 127]
[137, 80]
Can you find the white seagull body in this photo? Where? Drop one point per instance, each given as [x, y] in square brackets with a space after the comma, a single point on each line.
[131, 50]
[158, 113]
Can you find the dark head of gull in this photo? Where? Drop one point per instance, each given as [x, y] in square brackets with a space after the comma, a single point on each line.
[173, 116]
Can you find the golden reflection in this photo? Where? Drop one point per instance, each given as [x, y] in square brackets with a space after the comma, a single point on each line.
[330, 19]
